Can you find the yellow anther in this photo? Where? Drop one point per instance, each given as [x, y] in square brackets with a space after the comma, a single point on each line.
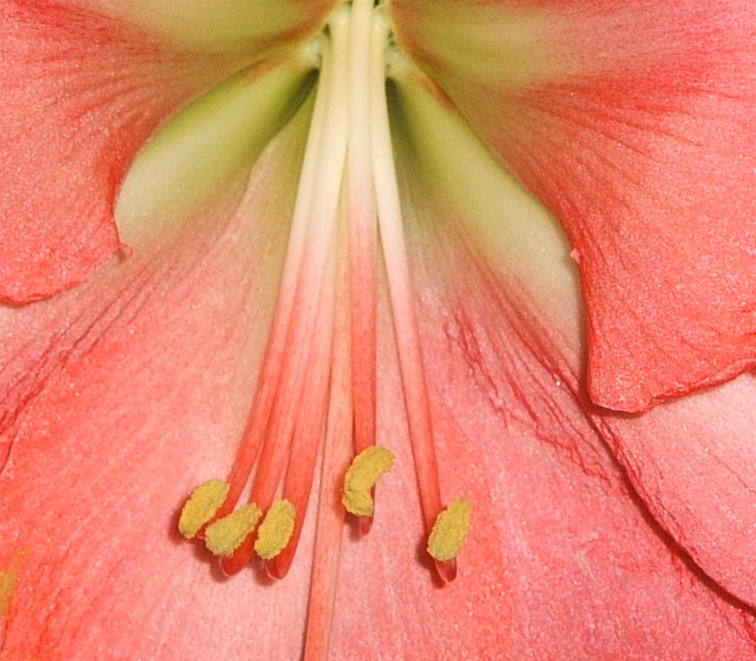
[365, 470]
[7, 588]
[9, 582]
[201, 506]
[227, 534]
[450, 530]
[275, 531]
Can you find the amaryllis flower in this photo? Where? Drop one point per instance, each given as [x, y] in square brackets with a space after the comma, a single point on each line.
[442, 309]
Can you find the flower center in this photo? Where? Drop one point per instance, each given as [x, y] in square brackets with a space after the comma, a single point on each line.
[316, 393]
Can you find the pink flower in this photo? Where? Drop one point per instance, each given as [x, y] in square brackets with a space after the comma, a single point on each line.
[277, 282]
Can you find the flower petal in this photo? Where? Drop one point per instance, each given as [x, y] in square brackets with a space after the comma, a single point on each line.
[150, 399]
[176, 188]
[692, 463]
[631, 122]
[82, 92]
[593, 576]
[257, 29]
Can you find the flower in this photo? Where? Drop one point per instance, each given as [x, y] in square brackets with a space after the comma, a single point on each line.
[132, 358]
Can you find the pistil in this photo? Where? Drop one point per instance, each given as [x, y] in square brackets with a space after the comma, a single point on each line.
[317, 390]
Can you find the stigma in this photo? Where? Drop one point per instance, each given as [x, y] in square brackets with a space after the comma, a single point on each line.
[316, 397]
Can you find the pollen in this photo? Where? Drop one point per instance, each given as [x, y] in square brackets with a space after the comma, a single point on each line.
[227, 534]
[450, 530]
[276, 530]
[366, 469]
[201, 506]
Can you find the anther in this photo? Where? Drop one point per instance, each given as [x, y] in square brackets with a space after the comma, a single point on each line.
[450, 530]
[366, 469]
[201, 506]
[276, 530]
[227, 534]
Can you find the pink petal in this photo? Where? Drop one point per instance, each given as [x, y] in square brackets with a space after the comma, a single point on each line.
[82, 92]
[692, 462]
[176, 188]
[631, 122]
[149, 400]
[591, 578]
[593, 575]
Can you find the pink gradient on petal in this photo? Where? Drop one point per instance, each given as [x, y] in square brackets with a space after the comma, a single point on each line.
[81, 95]
[109, 448]
[692, 461]
[592, 575]
[631, 121]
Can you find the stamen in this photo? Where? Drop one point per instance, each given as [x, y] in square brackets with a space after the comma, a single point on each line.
[362, 237]
[400, 285]
[201, 507]
[402, 297]
[275, 351]
[362, 229]
[227, 534]
[303, 303]
[275, 531]
[317, 385]
[311, 420]
[321, 219]
[337, 451]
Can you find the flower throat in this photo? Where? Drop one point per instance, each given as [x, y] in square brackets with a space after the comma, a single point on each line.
[316, 393]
